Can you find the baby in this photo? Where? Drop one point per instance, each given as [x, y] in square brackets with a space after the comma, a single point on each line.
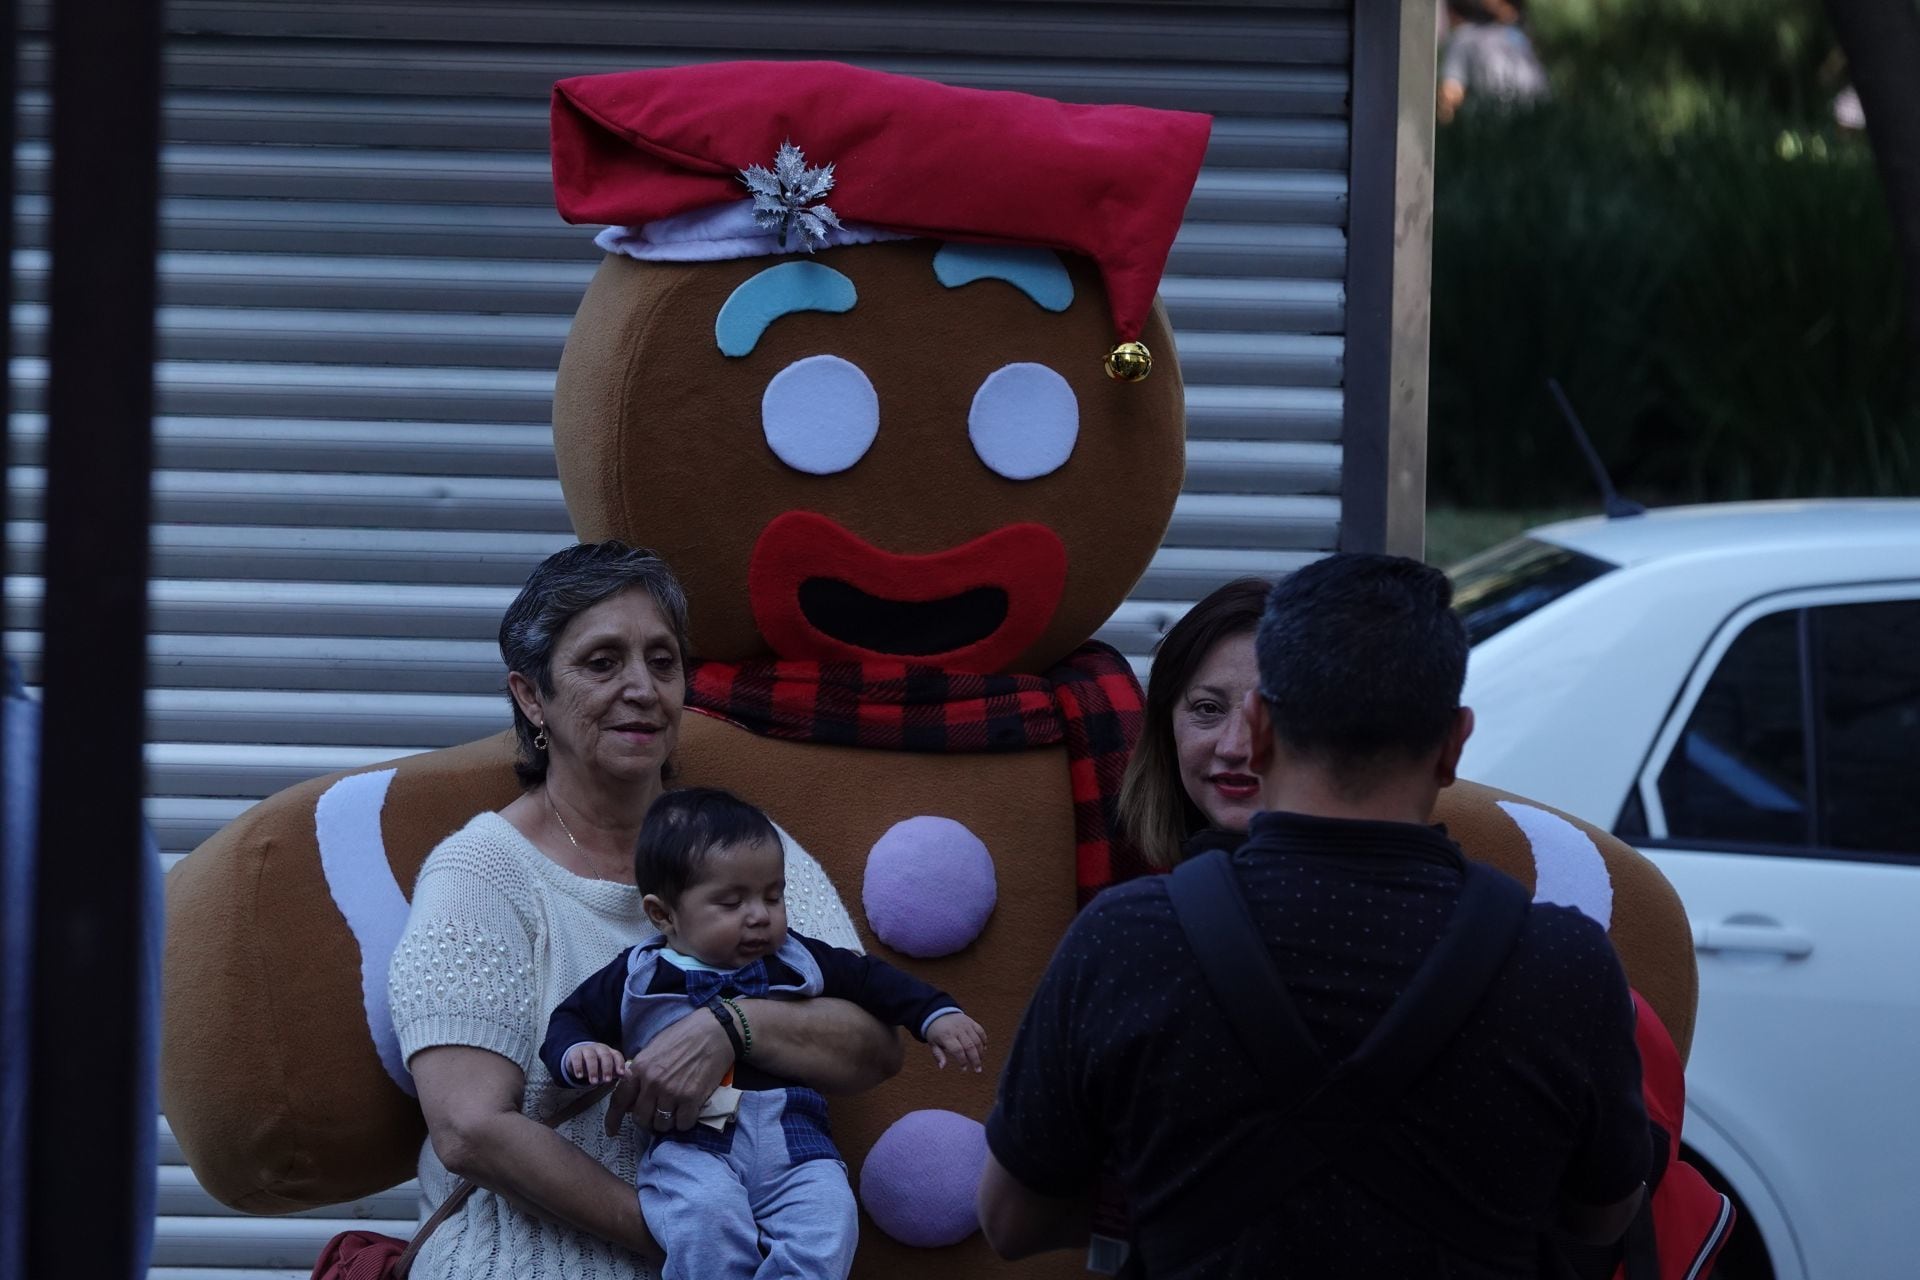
[760, 1165]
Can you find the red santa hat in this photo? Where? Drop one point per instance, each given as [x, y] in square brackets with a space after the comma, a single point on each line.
[734, 159]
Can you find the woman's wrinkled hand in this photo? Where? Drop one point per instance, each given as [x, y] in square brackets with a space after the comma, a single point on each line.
[667, 1081]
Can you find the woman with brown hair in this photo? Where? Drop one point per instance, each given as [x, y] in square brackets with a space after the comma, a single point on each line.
[1188, 780]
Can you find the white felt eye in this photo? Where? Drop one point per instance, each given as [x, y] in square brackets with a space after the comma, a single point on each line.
[820, 414]
[1024, 421]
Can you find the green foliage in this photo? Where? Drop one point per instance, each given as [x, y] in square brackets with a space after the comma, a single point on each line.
[1711, 275]
[1682, 59]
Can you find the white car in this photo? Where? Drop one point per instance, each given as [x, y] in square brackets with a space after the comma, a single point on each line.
[1735, 690]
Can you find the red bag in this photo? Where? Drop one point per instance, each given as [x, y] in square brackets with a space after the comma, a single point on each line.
[369, 1255]
[1685, 1222]
[361, 1255]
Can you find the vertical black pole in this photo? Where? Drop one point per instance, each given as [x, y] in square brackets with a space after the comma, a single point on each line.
[9, 46]
[1365, 441]
[88, 997]
[15, 893]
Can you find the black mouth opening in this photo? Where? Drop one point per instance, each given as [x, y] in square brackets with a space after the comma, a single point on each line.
[911, 630]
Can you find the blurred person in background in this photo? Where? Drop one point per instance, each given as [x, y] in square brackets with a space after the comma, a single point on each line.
[1488, 55]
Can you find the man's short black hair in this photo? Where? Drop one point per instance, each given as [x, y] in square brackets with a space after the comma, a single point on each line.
[682, 830]
[1362, 659]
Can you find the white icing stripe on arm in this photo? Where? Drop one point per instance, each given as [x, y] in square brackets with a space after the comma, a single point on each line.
[1568, 868]
[353, 856]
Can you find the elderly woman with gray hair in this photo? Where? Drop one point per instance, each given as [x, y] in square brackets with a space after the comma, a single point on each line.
[512, 911]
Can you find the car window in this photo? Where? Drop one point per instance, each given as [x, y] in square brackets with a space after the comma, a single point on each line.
[1738, 774]
[1748, 769]
[1868, 677]
[1497, 588]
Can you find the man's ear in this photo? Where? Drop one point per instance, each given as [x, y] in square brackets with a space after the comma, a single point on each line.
[1259, 717]
[657, 911]
[1446, 768]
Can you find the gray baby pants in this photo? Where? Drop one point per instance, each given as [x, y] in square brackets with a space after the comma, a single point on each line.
[711, 1211]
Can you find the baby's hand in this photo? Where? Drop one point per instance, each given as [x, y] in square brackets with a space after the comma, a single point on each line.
[594, 1063]
[960, 1036]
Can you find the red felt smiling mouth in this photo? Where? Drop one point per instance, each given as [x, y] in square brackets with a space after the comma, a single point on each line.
[822, 593]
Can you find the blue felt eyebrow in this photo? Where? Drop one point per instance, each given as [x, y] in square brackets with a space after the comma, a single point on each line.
[767, 295]
[1038, 273]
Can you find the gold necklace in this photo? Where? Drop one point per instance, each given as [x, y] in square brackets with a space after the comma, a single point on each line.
[557, 818]
[576, 844]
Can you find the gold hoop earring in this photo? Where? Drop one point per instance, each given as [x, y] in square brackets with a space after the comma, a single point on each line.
[540, 738]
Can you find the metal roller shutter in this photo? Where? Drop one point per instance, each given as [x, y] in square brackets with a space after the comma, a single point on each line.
[365, 292]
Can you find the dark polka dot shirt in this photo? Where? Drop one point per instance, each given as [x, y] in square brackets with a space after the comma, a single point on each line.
[1124, 1061]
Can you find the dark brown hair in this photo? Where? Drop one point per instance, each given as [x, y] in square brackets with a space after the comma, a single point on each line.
[1155, 811]
[684, 829]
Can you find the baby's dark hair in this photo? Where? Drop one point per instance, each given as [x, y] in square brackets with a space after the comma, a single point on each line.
[681, 832]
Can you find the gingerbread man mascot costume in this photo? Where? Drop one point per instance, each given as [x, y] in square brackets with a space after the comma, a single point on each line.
[877, 365]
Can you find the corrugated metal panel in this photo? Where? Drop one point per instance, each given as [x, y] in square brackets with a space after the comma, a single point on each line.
[365, 292]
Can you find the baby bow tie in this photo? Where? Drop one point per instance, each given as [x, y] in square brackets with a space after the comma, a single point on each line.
[749, 980]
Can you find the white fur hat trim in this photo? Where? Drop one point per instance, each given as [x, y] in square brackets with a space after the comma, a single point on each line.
[718, 231]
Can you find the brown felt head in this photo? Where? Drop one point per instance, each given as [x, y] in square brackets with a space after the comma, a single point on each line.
[660, 441]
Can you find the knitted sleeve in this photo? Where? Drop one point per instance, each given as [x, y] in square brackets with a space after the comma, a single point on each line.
[813, 904]
[463, 972]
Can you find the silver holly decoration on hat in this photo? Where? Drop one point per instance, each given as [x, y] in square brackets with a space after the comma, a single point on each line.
[785, 198]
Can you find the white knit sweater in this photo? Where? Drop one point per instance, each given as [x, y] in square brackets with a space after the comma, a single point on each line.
[498, 936]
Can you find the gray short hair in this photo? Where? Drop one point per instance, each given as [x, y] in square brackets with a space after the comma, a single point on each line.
[566, 584]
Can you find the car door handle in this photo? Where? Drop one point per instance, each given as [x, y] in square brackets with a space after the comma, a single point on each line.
[1754, 935]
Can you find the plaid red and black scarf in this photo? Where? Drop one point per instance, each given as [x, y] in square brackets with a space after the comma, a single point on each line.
[1091, 703]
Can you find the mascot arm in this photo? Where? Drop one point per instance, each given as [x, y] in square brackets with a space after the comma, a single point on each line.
[1568, 861]
[471, 1098]
[279, 932]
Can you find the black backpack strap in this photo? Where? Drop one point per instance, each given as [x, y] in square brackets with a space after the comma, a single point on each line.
[1359, 1109]
[1345, 1115]
[1234, 960]
[1449, 985]
[1487, 920]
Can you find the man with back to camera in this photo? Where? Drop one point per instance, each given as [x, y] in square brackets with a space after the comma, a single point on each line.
[1523, 1118]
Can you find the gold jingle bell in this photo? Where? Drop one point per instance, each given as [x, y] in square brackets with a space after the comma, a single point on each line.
[1129, 362]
